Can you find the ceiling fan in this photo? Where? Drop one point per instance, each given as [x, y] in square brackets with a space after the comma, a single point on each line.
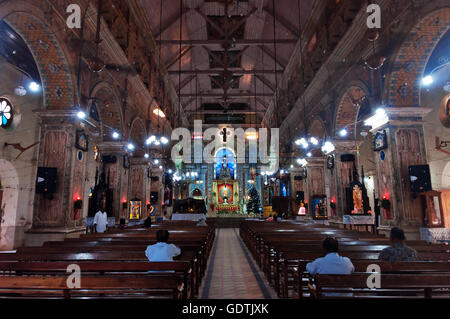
[94, 62]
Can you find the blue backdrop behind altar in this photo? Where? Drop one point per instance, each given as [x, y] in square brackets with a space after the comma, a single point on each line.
[225, 161]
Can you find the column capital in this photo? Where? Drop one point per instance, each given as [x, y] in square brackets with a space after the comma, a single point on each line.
[139, 161]
[64, 117]
[315, 161]
[343, 146]
[113, 147]
[403, 116]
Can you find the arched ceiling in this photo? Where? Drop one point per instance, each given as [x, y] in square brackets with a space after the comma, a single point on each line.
[228, 62]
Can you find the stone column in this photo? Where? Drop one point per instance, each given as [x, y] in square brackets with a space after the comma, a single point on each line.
[341, 173]
[57, 149]
[315, 181]
[406, 146]
[118, 173]
[138, 178]
[158, 186]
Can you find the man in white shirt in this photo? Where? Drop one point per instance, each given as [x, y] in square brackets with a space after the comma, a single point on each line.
[332, 263]
[100, 221]
[161, 251]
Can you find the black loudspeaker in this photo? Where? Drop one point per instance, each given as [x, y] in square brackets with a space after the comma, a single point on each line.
[420, 178]
[154, 178]
[46, 180]
[299, 197]
[298, 178]
[109, 159]
[347, 158]
[153, 197]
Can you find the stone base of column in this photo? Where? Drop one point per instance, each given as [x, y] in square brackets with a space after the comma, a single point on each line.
[411, 233]
[37, 237]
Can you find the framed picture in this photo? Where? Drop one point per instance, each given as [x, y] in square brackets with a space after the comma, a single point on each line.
[81, 142]
[319, 207]
[126, 161]
[330, 161]
[380, 141]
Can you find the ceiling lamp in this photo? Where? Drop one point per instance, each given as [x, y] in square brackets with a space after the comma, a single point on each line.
[302, 141]
[343, 132]
[427, 80]
[380, 118]
[34, 87]
[328, 147]
[115, 135]
[130, 146]
[81, 115]
[314, 141]
[302, 162]
[159, 113]
[251, 135]
[156, 140]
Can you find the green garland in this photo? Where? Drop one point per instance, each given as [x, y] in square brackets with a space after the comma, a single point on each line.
[333, 205]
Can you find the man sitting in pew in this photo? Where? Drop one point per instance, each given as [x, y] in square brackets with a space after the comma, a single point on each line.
[162, 251]
[398, 251]
[332, 263]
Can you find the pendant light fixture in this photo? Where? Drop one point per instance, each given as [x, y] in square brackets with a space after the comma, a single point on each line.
[159, 139]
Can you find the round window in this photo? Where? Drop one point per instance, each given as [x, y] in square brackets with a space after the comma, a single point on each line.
[6, 113]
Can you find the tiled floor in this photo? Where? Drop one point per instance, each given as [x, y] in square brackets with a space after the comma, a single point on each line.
[232, 273]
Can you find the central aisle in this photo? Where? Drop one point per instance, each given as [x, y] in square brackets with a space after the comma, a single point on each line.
[232, 273]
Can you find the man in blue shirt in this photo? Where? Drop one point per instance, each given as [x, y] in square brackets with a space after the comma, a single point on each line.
[161, 251]
[332, 263]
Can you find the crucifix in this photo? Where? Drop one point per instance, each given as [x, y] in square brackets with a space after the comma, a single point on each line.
[224, 133]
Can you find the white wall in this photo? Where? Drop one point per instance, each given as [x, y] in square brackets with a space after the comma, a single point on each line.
[18, 176]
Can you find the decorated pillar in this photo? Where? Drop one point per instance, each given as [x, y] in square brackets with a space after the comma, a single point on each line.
[138, 176]
[399, 144]
[315, 185]
[63, 149]
[344, 161]
[298, 189]
[114, 159]
[157, 186]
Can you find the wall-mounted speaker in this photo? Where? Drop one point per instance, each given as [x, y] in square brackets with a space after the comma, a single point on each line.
[153, 197]
[109, 159]
[46, 180]
[299, 197]
[347, 158]
[419, 176]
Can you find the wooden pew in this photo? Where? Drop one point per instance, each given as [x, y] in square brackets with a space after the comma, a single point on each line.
[298, 282]
[179, 268]
[392, 286]
[149, 286]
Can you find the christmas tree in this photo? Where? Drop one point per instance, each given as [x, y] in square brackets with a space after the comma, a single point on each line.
[253, 205]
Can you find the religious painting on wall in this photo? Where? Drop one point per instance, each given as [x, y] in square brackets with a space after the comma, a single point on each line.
[81, 141]
[135, 209]
[319, 207]
[225, 193]
[380, 141]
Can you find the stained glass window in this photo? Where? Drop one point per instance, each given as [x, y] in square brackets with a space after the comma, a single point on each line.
[6, 113]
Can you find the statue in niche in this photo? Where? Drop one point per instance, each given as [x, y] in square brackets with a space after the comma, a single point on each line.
[225, 171]
[357, 200]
